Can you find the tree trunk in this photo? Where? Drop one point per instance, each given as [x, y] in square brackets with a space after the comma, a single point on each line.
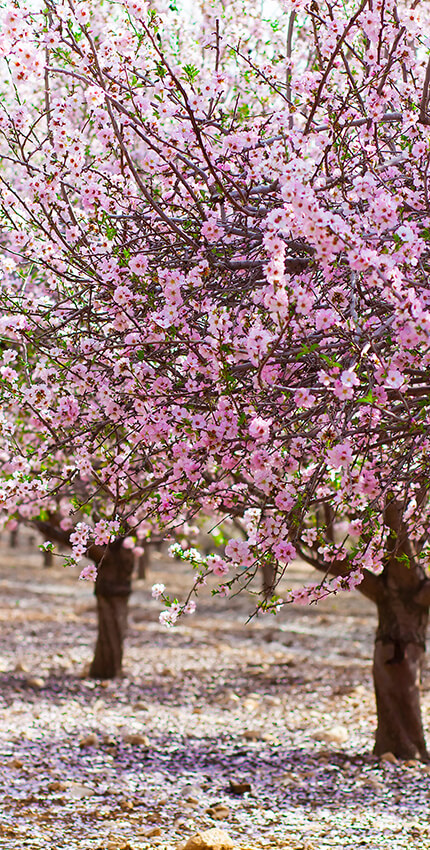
[143, 563]
[398, 659]
[269, 580]
[112, 590]
[48, 558]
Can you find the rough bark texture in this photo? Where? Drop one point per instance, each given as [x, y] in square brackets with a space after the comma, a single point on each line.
[398, 658]
[400, 645]
[112, 590]
[402, 596]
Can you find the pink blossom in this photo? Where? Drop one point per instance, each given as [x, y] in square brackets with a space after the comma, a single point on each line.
[340, 455]
[394, 379]
[195, 285]
[138, 264]
[325, 319]
[284, 500]
[349, 378]
[258, 342]
[380, 395]
[354, 578]
[304, 398]
[420, 148]
[168, 618]
[240, 552]
[342, 391]
[104, 530]
[259, 428]
[218, 566]
[123, 296]
[89, 573]
[211, 229]
[284, 551]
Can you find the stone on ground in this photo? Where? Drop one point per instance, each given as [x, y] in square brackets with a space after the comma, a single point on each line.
[211, 839]
[390, 758]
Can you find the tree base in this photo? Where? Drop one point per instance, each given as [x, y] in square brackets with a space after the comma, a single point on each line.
[397, 673]
[112, 620]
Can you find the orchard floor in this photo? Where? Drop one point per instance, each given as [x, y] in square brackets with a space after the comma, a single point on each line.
[284, 704]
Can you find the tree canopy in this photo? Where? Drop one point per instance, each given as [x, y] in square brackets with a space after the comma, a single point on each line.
[215, 255]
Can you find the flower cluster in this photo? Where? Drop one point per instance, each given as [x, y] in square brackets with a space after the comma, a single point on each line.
[209, 307]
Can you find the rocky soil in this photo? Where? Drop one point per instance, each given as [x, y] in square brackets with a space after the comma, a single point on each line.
[263, 730]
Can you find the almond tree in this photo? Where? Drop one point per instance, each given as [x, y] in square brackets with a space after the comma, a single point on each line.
[215, 293]
[112, 571]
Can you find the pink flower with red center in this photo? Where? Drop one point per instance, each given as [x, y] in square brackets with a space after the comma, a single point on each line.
[259, 428]
[304, 398]
[340, 455]
[325, 319]
[284, 500]
[122, 296]
[138, 264]
[217, 565]
[284, 551]
[240, 552]
[89, 573]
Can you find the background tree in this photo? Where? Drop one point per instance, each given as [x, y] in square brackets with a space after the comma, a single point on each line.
[216, 294]
[112, 570]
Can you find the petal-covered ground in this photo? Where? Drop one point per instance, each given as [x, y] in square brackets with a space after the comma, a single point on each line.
[282, 705]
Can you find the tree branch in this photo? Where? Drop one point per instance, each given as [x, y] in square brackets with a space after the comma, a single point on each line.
[371, 585]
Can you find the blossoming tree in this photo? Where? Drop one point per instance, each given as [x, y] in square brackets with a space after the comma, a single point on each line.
[216, 296]
[112, 570]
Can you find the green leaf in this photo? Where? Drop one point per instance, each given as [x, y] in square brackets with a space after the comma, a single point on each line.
[367, 399]
[307, 349]
[190, 72]
[330, 361]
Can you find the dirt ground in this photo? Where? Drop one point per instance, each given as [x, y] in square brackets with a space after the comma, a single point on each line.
[284, 704]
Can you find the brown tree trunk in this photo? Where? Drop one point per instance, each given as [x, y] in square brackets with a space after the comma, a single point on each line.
[13, 538]
[398, 658]
[112, 590]
[269, 580]
[48, 558]
[402, 596]
[143, 563]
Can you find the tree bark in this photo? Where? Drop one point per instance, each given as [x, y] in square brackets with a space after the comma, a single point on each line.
[398, 659]
[269, 580]
[143, 563]
[400, 644]
[112, 590]
[48, 558]
[402, 596]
